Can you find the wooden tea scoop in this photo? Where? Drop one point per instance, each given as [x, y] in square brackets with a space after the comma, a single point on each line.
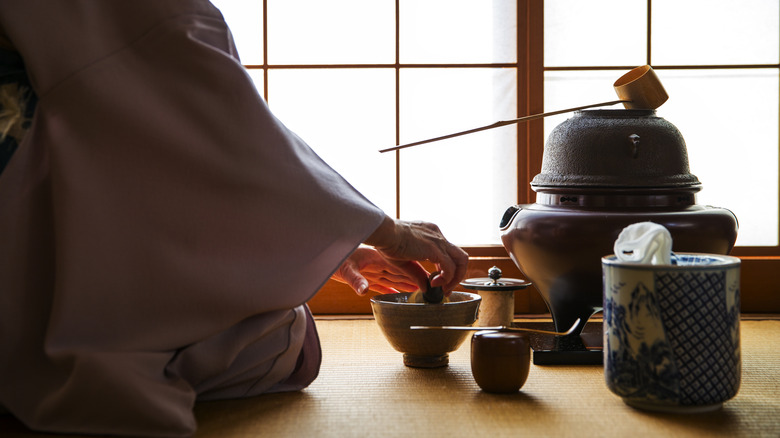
[640, 88]
[501, 328]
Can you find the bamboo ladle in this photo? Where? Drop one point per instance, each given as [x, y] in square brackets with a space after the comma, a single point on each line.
[640, 88]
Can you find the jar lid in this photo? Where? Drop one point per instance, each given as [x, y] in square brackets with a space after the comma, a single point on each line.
[494, 282]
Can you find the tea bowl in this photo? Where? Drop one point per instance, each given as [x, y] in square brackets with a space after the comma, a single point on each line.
[425, 348]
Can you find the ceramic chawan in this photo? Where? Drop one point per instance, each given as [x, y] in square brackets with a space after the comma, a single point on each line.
[671, 332]
[425, 348]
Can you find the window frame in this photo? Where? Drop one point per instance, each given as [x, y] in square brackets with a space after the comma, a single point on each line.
[760, 292]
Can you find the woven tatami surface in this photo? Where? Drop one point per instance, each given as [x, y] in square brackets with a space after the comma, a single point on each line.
[364, 390]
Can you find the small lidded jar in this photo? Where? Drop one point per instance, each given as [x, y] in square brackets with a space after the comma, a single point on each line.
[500, 360]
[498, 297]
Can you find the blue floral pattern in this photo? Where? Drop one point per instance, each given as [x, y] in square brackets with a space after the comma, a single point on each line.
[646, 371]
[671, 336]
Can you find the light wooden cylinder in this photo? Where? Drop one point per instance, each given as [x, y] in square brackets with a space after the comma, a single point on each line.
[497, 308]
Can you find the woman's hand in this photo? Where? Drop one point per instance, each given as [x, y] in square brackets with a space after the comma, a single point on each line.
[401, 242]
[366, 269]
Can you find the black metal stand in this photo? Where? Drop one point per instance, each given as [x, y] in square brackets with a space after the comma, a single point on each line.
[583, 349]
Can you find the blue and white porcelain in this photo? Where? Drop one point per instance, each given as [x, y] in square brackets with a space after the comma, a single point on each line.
[671, 332]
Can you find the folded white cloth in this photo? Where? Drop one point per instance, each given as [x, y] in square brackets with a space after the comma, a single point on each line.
[644, 242]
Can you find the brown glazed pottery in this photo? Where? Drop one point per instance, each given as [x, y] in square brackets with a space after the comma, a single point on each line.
[425, 348]
[500, 361]
[603, 170]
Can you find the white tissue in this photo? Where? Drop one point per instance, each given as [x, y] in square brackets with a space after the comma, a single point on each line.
[644, 242]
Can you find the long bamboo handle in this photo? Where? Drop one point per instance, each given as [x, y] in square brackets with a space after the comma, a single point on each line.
[502, 123]
[498, 328]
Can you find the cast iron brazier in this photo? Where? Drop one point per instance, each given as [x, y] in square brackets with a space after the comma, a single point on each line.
[603, 170]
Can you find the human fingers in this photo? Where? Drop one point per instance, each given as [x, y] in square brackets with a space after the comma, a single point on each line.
[416, 240]
[378, 280]
[460, 260]
[387, 274]
[349, 273]
[401, 275]
[383, 289]
[384, 275]
[419, 240]
[414, 272]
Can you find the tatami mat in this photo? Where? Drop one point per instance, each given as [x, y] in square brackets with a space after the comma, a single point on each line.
[364, 390]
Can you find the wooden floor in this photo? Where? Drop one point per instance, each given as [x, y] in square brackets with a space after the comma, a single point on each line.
[364, 390]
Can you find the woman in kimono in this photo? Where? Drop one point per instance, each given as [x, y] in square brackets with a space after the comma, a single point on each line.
[160, 229]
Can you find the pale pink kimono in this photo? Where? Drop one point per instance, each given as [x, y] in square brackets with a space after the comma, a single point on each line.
[160, 230]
